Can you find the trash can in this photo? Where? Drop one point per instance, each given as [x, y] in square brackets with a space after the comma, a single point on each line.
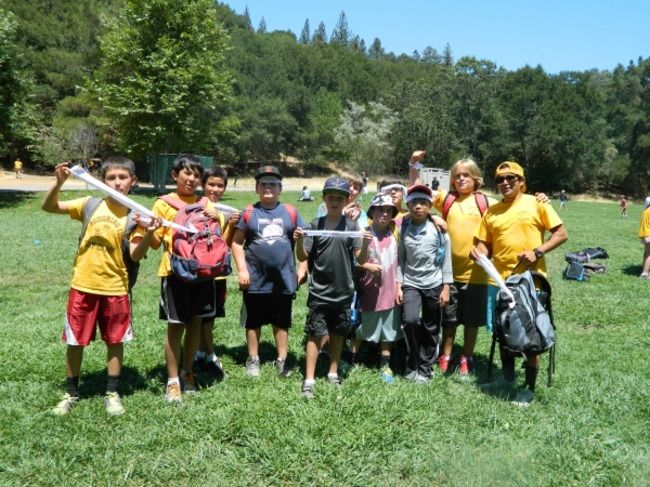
[160, 168]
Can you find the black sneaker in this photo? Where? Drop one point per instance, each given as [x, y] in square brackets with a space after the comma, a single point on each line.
[282, 367]
[215, 367]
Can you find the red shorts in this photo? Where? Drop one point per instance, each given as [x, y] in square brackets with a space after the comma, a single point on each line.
[86, 311]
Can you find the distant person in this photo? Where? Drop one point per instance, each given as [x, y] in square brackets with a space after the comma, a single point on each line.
[644, 235]
[622, 203]
[18, 168]
[99, 290]
[563, 199]
[512, 234]
[435, 184]
[305, 195]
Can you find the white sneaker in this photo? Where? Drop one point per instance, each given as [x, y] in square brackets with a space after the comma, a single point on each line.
[524, 398]
[253, 367]
[173, 393]
[113, 404]
[65, 405]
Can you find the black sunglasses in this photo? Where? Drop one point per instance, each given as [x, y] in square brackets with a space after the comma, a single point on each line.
[510, 178]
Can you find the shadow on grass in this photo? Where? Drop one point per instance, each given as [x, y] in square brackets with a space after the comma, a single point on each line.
[10, 198]
[94, 384]
[632, 270]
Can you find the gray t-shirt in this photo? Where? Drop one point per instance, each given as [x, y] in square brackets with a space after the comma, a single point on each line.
[331, 264]
[418, 247]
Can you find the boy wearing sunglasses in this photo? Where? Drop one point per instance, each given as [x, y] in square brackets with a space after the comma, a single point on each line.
[512, 233]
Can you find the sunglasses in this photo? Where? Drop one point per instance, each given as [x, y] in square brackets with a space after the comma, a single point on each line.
[510, 178]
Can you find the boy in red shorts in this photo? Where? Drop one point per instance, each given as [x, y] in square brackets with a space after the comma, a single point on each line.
[99, 291]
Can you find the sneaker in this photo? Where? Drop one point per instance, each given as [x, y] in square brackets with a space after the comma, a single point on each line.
[253, 367]
[282, 367]
[645, 276]
[411, 375]
[443, 363]
[113, 404]
[65, 405]
[334, 380]
[465, 366]
[189, 384]
[422, 379]
[307, 391]
[387, 375]
[524, 397]
[215, 367]
[173, 393]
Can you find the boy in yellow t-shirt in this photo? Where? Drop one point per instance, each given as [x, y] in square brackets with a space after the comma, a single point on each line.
[99, 289]
[512, 233]
[183, 305]
[644, 235]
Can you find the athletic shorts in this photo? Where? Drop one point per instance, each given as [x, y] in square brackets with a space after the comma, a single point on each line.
[381, 326]
[261, 309]
[325, 319]
[181, 301]
[86, 311]
[468, 305]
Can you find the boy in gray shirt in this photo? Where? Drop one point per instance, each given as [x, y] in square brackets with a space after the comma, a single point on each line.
[423, 278]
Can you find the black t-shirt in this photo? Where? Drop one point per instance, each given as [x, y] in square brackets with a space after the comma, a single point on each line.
[331, 264]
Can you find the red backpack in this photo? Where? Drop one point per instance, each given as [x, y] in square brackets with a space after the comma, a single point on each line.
[481, 202]
[200, 256]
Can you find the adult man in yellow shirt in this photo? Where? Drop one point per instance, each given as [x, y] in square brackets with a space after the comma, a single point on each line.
[512, 233]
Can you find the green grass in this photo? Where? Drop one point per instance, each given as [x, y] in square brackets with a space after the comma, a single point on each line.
[590, 428]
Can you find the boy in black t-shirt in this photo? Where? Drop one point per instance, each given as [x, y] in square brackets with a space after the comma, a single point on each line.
[331, 286]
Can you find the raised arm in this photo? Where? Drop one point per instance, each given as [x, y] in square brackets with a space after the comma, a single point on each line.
[51, 202]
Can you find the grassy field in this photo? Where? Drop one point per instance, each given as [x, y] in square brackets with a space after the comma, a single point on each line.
[590, 428]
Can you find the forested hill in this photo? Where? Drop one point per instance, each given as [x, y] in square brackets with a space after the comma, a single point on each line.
[83, 79]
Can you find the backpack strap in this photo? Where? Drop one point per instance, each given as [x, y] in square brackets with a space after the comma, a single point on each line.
[180, 204]
[482, 202]
[293, 214]
[447, 202]
[86, 214]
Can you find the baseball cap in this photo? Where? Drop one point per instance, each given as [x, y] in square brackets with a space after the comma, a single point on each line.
[382, 199]
[268, 172]
[419, 192]
[335, 184]
[510, 167]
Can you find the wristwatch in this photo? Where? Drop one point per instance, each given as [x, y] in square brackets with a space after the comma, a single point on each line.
[538, 253]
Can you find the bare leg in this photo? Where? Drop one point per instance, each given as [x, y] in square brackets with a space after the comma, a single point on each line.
[115, 356]
[253, 342]
[207, 337]
[336, 347]
[73, 358]
[311, 356]
[281, 341]
[470, 335]
[191, 343]
[646, 259]
[448, 338]
[173, 348]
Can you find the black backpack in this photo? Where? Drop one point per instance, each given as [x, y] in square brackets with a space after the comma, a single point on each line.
[132, 267]
[525, 326]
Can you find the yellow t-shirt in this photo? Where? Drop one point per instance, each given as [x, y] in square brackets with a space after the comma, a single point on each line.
[98, 266]
[511, 228]
[163, 210]
[463, 221]
[644, 228]
[18, 165]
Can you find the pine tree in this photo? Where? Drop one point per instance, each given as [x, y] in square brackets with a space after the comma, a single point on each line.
[305, 36]
[376, 50]
[320, 36]
[448, 60]
[341, 33]
[261, 28]
[247, 19]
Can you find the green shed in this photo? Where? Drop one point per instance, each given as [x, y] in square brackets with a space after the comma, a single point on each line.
[160, 168]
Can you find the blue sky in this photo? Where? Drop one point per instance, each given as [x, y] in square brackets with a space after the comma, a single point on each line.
[559, 35]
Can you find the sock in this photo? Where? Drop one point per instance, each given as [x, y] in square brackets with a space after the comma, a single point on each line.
[531, 377]
[173, 380]
[210, 358]
[113, 382]
[72, 386]
[310, 382]
[332, 376]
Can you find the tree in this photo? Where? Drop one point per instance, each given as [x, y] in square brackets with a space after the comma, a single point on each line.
[430, 56]
[364, 135]
[320, 36]
[447, 58]
[18, 119]
[376, 50]
[341, 34]
[247, 19]
[305, 36]
[162, 82]
[261, 28]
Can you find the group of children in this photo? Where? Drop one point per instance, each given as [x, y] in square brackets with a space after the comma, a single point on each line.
[399, 266]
